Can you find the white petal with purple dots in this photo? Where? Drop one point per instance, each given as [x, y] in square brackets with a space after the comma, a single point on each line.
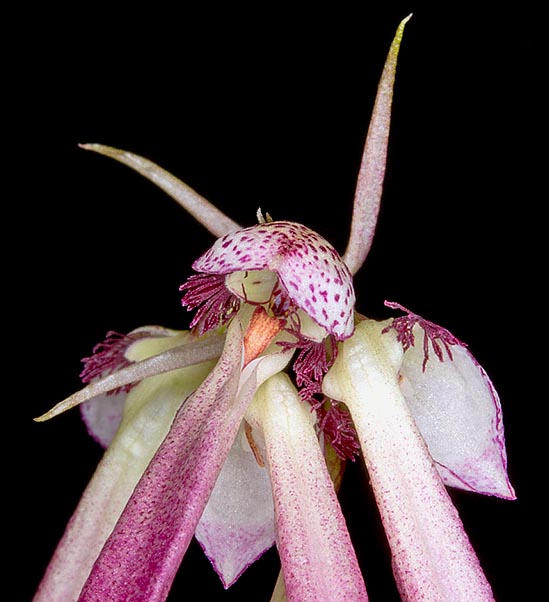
[308, 267]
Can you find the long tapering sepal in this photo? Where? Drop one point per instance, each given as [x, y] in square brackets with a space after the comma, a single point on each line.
[149, 411]
[372, 169]
[142, 555]
[433, 559]
[200, 208]
[318, 560]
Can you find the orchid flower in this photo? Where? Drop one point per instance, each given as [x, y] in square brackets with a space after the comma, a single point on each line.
[237, 430]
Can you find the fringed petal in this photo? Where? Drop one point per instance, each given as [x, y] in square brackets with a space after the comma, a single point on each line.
[102, 414]
[318, 560]
[458, 413]
[433, 559]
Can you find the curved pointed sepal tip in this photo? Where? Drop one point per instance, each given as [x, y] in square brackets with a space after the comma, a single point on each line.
[214, 220]
[371, 174]
[178, 357]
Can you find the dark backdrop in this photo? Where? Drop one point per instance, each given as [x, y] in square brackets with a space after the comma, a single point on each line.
[268, 107]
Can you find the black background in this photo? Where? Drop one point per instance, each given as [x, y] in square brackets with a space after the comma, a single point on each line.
[268, 106]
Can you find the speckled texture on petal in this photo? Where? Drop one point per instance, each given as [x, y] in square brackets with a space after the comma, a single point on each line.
[149, 411]
[309, 268]
[458, 413]
[317, 557]
[433, 559]
[139, 560]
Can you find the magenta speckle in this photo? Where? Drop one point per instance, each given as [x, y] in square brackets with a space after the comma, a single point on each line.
[297, 255]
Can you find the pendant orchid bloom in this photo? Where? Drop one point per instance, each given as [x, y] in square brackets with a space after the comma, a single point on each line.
[236, 431]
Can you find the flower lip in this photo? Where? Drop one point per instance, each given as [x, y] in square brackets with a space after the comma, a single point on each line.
[308, 267]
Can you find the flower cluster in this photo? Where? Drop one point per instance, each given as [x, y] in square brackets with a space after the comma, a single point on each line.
[237, 430]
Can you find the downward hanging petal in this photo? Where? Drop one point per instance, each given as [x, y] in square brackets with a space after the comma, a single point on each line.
[318, 560]
[139, 560]
[433, 559]
[149, 410]
[458, 412]
[237, 525]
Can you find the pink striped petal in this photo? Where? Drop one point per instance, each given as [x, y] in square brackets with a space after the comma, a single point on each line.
[318, 560]
[458, 413]
[433, 559]
[309, 268]
[237, 525]
[143, 553]
[150, 408]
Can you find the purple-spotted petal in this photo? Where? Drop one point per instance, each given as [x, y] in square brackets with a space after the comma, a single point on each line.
[309, 268]
[237, 525]
[458, 412]
[317, 557]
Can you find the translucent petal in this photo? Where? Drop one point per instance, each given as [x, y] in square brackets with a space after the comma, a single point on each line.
[458, 412]
[102, 416]
[237, 525]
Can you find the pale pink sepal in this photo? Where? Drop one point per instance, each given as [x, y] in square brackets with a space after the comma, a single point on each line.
[433, 560]
[237, 525]
[458, 413]
[142, 555]
[318, 560]
[201, 209]
[372, 169]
